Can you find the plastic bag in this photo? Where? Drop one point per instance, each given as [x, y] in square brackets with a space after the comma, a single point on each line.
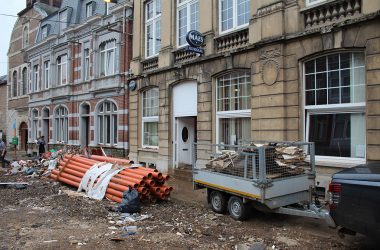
[130, 202]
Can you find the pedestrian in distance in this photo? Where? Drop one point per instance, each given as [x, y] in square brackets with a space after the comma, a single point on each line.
[41, 145]
[3, 151]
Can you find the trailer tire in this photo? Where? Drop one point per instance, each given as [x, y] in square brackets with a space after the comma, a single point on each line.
[237, 208]
[218, 202]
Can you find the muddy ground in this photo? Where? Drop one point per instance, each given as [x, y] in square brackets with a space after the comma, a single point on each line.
[44, 216]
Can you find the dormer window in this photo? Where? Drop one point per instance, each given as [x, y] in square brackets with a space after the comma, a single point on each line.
[63, 20]
[89, 9]
[44, 32]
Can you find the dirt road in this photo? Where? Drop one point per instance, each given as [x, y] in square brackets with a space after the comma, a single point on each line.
[44, 216]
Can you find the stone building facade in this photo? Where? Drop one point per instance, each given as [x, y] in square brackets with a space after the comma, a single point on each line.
[23, 36]
[78, 69]
[3, 105]
[289, 70]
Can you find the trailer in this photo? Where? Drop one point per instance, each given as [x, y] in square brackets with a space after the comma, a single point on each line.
[277, 177]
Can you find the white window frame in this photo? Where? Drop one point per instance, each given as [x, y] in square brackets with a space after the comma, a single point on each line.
[44, 31]
[34, 131]
[25, 36]
[89, 9]
[235, 25]
[243, 113]
[106, 49]
[101, 130]
[155, 22]
[14, 84]
[186, 4]
[61, 124]
[36, 77]
[146, 119]
[340, 108]
[47, 74]
[60, 66]
[24, 81]
[86, 64]
[311, 2]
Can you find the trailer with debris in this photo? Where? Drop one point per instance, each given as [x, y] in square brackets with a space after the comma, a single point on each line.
[276, 177]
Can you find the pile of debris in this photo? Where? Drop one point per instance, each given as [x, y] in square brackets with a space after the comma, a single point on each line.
[281, 161]
[102, 176]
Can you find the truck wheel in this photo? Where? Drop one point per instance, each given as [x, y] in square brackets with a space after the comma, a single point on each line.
[218, 202]
[236, 208]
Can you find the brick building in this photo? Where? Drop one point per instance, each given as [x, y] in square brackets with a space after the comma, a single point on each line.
[23, 36]
[3, 105]
[272, 70]
[77, 78]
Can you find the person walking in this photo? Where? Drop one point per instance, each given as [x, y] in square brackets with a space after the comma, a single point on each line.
[41, 145]
[3, 152]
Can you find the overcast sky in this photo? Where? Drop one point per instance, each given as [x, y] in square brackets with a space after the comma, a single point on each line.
[6, 25]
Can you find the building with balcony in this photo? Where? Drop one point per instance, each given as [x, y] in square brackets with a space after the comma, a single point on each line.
[77, 76]
[23, 36]
[271, 70]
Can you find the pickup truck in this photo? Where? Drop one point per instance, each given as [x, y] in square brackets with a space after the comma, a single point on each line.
[355, 200]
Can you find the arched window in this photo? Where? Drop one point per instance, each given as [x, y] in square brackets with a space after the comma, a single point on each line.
[61, 124]
[25, 37]
[233, 114]
[24, 81]
[107, 123]
[335, 104]
[14, 84]
[107, 58]
[150, 117]
[34, 133]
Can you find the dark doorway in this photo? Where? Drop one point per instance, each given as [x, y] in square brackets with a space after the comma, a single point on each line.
[23, 131]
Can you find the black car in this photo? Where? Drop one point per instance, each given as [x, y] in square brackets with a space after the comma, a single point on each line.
[355, 200]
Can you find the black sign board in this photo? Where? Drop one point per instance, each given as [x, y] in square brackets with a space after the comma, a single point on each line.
[195, 38]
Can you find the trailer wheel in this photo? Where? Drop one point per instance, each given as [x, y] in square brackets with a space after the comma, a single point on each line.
[218, 202]
[236, 208]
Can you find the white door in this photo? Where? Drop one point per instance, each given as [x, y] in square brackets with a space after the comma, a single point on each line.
[185, 138]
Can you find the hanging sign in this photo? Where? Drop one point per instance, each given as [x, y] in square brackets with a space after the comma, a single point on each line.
[195, 39]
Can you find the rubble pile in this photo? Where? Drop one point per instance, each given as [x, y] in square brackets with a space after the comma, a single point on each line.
[280, 161]
[103, 176]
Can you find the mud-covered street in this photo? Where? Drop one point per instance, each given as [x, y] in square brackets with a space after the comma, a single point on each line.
[48, 215]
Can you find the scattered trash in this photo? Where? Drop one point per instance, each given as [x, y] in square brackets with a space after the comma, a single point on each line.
[130, 202]
[50, 241]
[15, 185]
[134, 217]
[129, 230]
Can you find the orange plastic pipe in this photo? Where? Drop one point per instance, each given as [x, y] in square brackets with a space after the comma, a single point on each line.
[134, 175]
[64, 180]
[142, 190]
[155, 189]
[72, 172]
[77, 163]
[150, 182]
[113, 198]
[67, 176]
[140, 172]
[166, 177]
[110, 159]
[147, 169]
[114, 192]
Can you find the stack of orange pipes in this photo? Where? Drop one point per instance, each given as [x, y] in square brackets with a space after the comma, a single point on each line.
[149, 182]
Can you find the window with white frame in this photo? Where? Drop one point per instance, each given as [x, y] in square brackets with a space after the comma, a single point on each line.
[312, 2]
[44, 31]
[152, 28]
[86, 64]
[335, 104]
[62, 69]
[107, 58]
[47, 74]
[14, 84]
[89, 9]
[187, 19]
[63, 20]
[36, 77]
[24, 81]
[34, 133]
[25, 37]
[233, 14]
[150, 118]
[61, 125]
[233, 114]
[107, 123]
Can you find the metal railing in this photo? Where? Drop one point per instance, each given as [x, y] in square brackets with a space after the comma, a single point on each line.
[256, 161]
